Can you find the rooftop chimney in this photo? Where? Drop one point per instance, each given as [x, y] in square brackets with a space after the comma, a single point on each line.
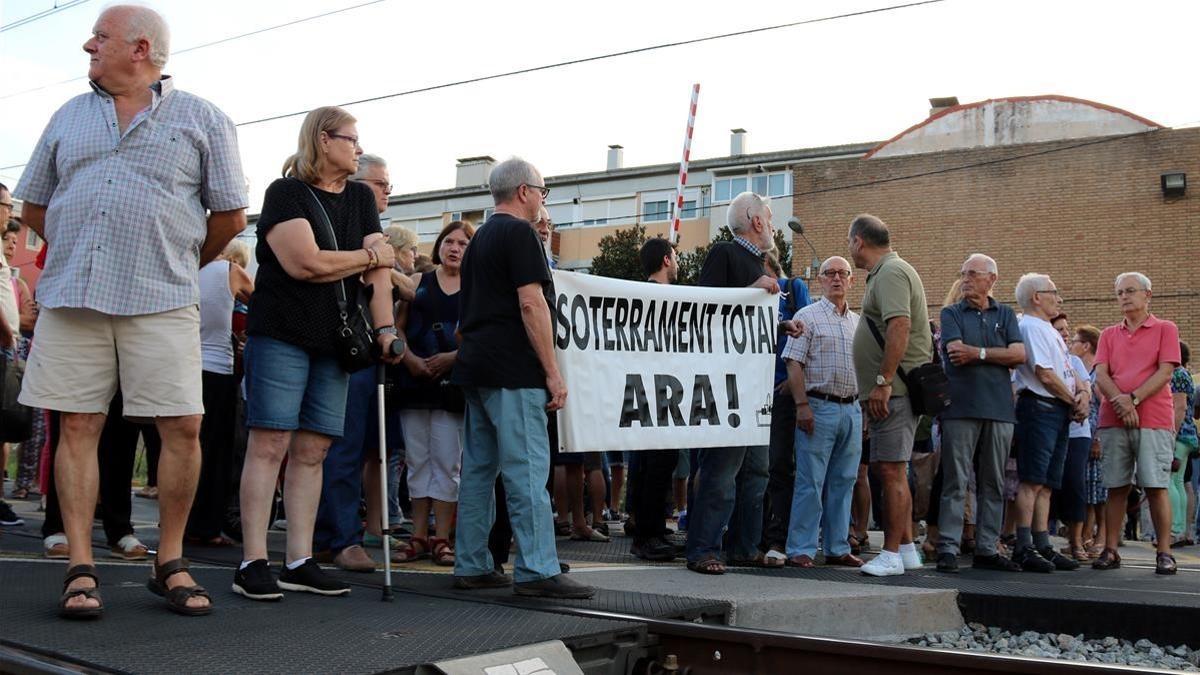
[737, 142]
[473, 171]
[937, 105]
[616, 157]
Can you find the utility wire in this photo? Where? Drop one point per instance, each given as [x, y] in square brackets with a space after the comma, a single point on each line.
[210, 44]
[40, 15]
[561, 64]
[881, 181]
[601, 57]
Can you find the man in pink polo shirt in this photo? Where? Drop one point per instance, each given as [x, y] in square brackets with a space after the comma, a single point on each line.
[1134, 361]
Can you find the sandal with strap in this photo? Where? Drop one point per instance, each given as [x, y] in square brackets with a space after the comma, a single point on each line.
[709, 565]
[414, 549]
[178, 596]
[92, 593]
[443, 552]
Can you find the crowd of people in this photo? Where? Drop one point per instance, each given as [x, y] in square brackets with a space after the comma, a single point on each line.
[147, 324]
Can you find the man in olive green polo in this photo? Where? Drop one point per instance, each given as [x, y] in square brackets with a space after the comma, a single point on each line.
[895, 303]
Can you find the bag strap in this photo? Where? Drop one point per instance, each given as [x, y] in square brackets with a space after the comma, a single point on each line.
[324, 220]
[792, 302]
[879, 338]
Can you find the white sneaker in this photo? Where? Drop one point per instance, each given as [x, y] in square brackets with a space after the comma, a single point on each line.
[911, 557]
[886, 564]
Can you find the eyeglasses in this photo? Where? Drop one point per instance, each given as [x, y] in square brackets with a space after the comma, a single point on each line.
[540, 188]
[7, 204]
[1052, 291]
[353, 139]
[833, 274]
[379, 184]
[1122, 292]
[974, 274]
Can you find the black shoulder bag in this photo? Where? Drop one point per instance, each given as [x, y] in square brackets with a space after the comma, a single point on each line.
[354, 342]
[16, 420]
[928, 387]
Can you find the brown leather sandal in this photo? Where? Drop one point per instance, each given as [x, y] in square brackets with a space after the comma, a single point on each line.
[707, 565]
[178, 596]
[93, 593]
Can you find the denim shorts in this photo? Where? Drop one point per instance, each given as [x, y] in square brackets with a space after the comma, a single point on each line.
[1041, 437]
[288, 388]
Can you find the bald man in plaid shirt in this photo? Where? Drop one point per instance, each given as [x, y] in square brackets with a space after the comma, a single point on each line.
[134, 185]
[828, 443]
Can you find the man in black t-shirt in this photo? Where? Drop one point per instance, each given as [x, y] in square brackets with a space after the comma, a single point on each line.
[650, 471]
[510, 380]
[732, 480]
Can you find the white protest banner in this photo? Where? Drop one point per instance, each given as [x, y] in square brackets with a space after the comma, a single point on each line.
[650, 366]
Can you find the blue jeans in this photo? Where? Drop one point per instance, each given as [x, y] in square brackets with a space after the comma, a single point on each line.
[505, 434]
[1041, 435]
[729, 493]
[287, 388]
[826, 471]
[338, 524]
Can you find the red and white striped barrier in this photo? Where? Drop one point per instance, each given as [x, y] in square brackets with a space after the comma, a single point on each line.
[683, 165]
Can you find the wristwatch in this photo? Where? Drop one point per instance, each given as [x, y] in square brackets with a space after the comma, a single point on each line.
[882, 381]
[386, 330]
[1133, 397]
[982, 354]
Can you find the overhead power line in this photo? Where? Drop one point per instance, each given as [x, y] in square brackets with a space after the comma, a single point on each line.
[589, 59]
[601, 57]
[894, 179]
[40, 15]
[223, 40]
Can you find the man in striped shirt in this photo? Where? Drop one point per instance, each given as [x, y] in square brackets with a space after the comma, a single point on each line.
[828, 444]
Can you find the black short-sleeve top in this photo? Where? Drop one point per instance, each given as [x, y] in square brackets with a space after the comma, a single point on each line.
[298, 312]
[504, 255]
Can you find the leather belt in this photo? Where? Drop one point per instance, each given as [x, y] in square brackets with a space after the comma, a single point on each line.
[831, 398]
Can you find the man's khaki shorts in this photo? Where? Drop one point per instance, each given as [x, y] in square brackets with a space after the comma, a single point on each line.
[1142, 453]
[80, 356]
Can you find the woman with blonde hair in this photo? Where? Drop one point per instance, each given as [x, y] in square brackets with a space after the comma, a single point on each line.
[318, 234]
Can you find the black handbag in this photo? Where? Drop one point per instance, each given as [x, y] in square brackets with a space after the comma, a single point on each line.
[16, 420]
[928, 386]
[354, 342]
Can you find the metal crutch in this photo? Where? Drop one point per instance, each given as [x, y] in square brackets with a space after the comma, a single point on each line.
[397, 348]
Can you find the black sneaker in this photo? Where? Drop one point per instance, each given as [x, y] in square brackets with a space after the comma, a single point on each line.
[996, 562]
[310, 578]
[655, 549]
[8, 517]
[557, 586]
[255, 582]
[1060, 561]
[947, 562]
[494, 579]
[1032, 561]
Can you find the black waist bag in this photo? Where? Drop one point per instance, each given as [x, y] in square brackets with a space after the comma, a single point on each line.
[928, 386]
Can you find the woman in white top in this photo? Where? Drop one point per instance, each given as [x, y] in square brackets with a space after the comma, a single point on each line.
[221, 282]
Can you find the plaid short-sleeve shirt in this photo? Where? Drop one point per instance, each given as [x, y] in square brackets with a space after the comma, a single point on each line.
[826, 349]
[126, 214]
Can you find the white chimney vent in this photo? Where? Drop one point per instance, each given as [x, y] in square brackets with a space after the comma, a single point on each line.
[737, 142]
[937, 105]
[616, 157]
[473, 171]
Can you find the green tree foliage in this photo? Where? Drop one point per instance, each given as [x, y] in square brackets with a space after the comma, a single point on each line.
[618, 257]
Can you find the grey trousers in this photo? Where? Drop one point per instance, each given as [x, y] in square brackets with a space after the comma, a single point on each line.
[984, 446]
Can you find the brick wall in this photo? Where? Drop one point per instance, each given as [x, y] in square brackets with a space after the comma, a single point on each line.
[1080, 211]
